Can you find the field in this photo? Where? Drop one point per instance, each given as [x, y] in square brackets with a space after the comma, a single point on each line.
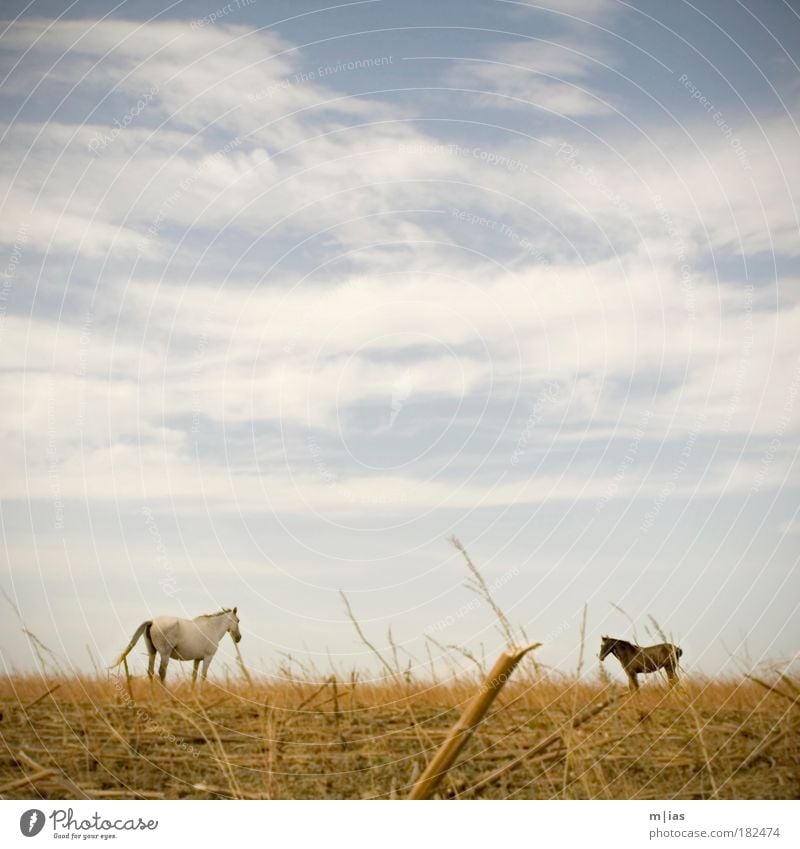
[98, 737]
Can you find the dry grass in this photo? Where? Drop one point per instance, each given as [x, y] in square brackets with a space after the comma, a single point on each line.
[349, 739]
[301, 735]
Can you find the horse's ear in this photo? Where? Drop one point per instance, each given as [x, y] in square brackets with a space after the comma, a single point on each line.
[234, 610]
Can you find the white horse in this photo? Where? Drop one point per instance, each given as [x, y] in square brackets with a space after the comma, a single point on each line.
[184, 639]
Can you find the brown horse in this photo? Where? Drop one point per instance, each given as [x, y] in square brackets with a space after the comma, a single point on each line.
[638, 659]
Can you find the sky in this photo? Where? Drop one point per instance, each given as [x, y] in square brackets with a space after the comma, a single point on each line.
[292, 294]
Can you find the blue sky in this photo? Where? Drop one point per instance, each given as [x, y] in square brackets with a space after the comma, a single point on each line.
[291, 295]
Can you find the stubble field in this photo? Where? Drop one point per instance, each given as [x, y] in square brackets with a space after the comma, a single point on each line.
[544, 738]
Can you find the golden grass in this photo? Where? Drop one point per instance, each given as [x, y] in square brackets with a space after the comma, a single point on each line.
[93, 737]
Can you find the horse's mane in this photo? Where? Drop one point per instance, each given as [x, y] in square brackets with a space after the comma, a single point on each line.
[213, 615]
[617, 641]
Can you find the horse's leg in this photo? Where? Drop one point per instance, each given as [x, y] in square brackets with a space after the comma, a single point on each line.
[194, 672]
[151, 664]
[634, 684]
[206, 664]
[162, 667]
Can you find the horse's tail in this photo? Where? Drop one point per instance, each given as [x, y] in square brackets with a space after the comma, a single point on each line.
[144, 628]
[678, 651]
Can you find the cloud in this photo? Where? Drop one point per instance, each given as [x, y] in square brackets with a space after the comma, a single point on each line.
[477, 271]
[107, 412]
[90, 185]
[559, 76]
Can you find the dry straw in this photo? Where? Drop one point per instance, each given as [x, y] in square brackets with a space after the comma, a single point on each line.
[305, 734]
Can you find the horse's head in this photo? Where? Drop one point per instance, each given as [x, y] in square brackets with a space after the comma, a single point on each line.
[233, 625]
[606, 647]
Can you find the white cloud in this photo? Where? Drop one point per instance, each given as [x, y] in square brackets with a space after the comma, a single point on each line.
[556, 76]
[118, 408]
